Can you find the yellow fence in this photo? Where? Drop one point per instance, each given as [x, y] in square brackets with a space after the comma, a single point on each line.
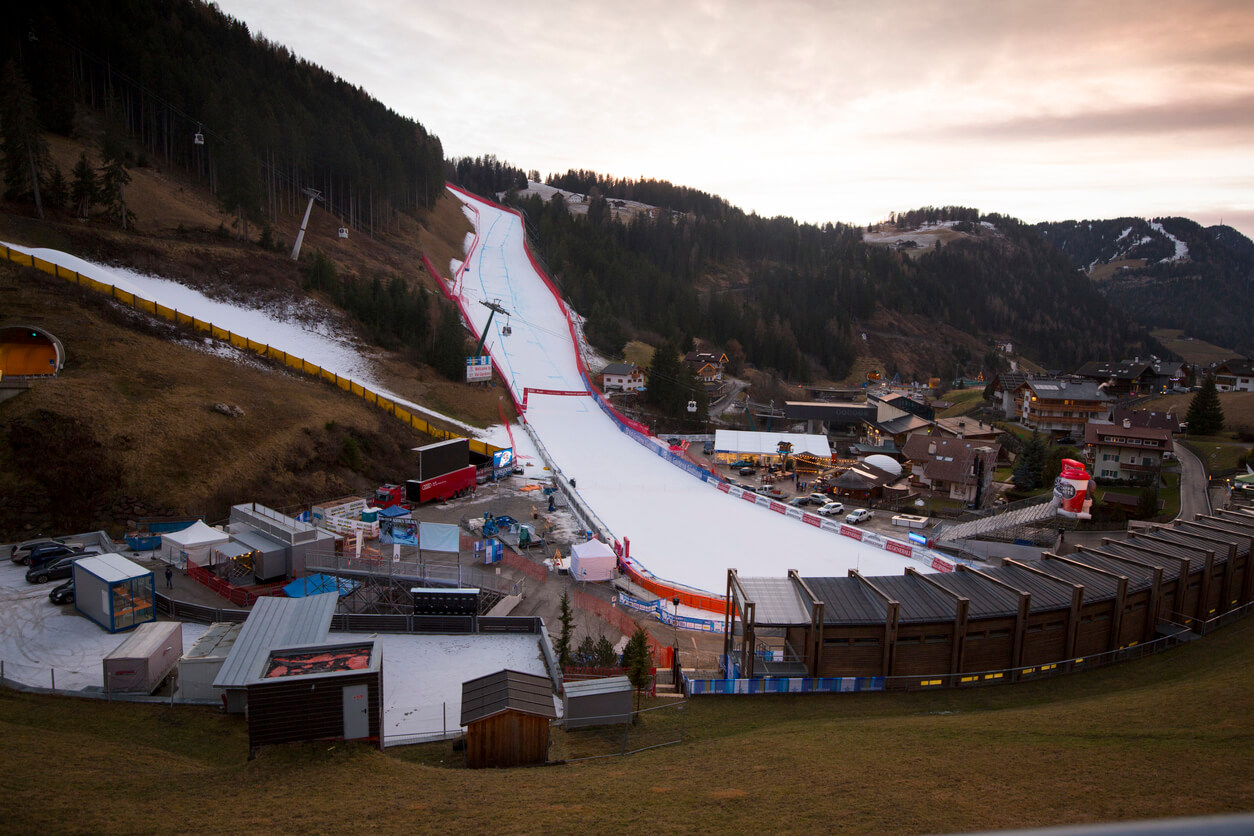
[239, 341]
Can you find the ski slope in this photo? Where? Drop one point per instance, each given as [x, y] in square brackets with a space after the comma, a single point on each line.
[682, 529]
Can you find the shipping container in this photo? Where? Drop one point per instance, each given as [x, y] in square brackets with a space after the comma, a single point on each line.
[144, 659]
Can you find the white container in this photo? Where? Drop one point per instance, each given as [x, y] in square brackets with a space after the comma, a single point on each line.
[144, 658]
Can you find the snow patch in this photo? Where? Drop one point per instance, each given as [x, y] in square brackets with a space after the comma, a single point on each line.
[1182, 249]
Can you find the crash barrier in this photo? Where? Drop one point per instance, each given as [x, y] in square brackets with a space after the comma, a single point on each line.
[242, 342]
[789, 685]
[658, 608]
[620, 621]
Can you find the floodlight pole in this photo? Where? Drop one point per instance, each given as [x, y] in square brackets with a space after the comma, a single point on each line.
[314, 194]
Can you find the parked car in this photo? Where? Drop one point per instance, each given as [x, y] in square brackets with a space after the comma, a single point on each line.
[708, 449]
[819, 499]
[62, 593]
[746, 471]
[832, 508]
[743, 463]
[21, 552]
[799, 501]
[42, 555]
[858, 515]
[57, 570]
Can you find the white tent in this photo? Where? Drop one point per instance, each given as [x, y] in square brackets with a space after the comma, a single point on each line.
[592, 561]
[193, 544]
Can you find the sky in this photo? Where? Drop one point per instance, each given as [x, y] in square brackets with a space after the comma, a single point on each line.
[826, 111]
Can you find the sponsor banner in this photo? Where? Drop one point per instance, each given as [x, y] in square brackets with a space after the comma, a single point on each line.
[503, 458]
[749, 496]
[478, 369]
[847, 531]
[724, 487]
[778, 507]
[899, 548]
[940, 564]
[811, 519]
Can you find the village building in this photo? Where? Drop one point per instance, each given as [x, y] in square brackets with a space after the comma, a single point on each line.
[1061, 408]
[1125, 451]
[1235, 376]
[624, 377]
[961, 469]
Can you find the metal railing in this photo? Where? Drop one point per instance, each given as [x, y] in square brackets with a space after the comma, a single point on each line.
[412, 570]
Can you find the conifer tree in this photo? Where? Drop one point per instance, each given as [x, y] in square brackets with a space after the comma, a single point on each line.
[26, 158]
[638, 661]
[1030, 464]
[84, 190]
[567, 635]
[1206, 413]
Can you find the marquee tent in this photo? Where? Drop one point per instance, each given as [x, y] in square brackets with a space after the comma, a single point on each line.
[193, 544]
[592, 561]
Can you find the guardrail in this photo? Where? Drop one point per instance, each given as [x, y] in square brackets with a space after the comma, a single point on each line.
[412, 570]
[240, 341]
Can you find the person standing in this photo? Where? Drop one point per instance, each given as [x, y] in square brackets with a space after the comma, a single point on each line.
[169, 577]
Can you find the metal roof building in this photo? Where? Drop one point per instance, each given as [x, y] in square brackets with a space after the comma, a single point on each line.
[506, 715]
[273, 622]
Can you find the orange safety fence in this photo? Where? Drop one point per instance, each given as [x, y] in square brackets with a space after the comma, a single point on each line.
[241, 342]
[532, 570]
[623, 623]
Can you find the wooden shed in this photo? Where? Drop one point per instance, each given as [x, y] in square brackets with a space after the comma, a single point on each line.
[506, 715]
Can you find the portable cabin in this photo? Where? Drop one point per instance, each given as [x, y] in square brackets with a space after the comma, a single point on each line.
[597, 702]
[144, 658]
[317, 692]
[506, 715]
[113, 592]
[204, 659]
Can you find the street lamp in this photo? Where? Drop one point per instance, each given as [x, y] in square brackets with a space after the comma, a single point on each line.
[675, 623]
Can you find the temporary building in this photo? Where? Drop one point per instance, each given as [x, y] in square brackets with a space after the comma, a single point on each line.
[144, 658]
[592, 561]
[273, 622]
[506, 715]
[193, 544]
[597, 702]
[203, 660]
[113, 592]
[319, 692]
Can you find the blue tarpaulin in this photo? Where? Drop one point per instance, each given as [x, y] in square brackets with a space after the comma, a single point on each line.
[394, 511]
[317, 584]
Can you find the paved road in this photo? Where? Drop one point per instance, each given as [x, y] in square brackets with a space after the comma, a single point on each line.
[1193, 484]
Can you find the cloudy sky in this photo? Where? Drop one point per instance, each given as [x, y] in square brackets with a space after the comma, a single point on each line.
[841, 111]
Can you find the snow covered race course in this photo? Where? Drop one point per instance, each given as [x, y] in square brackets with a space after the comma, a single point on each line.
[683, 529]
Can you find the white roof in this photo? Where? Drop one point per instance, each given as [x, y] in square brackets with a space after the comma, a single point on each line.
[767, 444]
[590, 687]
[592, 549]
[197, 534]
[111, 568]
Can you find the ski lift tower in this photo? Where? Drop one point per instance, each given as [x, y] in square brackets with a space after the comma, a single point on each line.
[495, 308]
[313, 194]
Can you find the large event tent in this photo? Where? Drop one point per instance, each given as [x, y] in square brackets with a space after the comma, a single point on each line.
[192, 545]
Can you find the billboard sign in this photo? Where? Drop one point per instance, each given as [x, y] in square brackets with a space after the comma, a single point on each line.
[478, 369]
[503, 458]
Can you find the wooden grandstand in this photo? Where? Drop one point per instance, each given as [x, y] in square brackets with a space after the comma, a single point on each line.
[1023, 617]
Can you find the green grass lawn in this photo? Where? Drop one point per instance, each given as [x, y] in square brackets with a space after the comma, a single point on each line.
[1171, 735]
[1014, 429]
[1219, 454]
[964, 402]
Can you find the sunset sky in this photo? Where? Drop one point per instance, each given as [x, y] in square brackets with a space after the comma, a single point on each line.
[825, 111]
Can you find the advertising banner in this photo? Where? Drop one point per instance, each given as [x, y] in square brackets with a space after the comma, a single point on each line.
[478, 369]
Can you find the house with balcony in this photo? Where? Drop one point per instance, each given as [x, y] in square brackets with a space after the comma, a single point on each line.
[1235, 375]
[1061, 408]
[959, 468]
[706, 366]
[623, 377]
[1126, 451]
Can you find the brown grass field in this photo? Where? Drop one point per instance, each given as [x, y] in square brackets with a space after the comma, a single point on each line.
[1238, 407]
[1198, 352]
[1171, 735]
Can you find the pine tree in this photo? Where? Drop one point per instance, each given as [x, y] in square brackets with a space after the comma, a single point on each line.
[586, 655]
[604, 650]
[26, 158]
[84, 191]
[638, 661]
[1206, 414]
[1030, 464]
[113, 176]
[564, 639]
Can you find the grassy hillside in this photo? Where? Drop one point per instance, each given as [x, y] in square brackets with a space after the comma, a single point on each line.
[1166, 736]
